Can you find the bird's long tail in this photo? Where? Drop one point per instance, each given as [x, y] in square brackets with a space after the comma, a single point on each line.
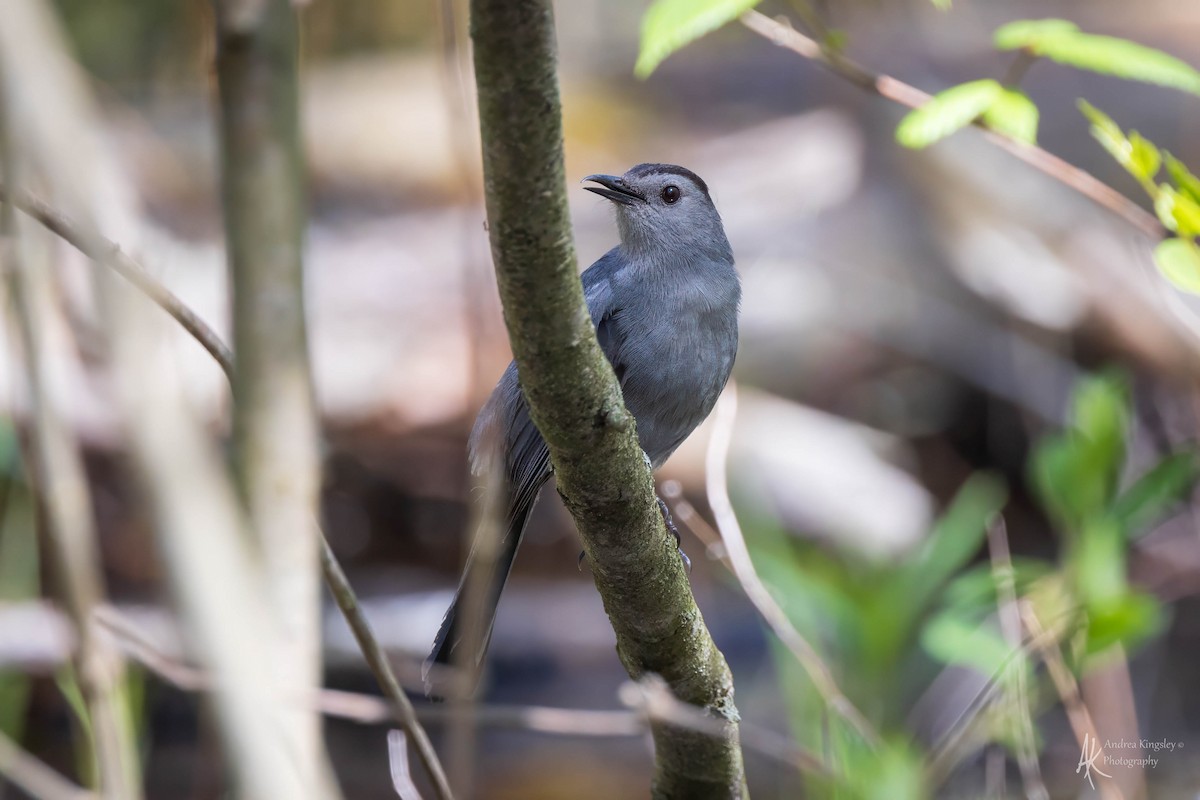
[467, 627]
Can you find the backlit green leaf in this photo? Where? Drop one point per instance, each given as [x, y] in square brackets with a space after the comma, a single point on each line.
[1177, 211]
[1013, 114]
[669, 25]
[1108, 134]
[1185, 181]
[947, 112]
[1144, 157]
[1121, 58]
[1028, 32]
[1179, 262]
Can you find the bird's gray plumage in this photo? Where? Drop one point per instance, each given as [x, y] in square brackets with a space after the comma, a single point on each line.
[664, 302]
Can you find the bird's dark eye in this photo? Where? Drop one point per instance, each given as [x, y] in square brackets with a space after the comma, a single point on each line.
[670, 194]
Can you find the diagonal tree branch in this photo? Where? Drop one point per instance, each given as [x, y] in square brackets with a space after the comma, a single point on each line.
[102, 251]
[885, 86]
[576, 403]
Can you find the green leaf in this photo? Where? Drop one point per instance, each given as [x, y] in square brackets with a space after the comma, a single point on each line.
[1013, 114]
[948, 111]
[974, 591]
[954, 540]
[1100, 411]
[1127, 619]
[942, 5]
[892, 772]
[1071, 488]
[1187, 183]
[669, 25]
[1150, 497]
[1108, 133]
[1099, 562]
[1177, 211]
[1121, 58]
[1179, 262]
[1144, 157]
[1029, 32]
[953, 639]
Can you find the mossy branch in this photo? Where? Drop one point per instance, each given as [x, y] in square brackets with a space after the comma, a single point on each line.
[576, 403]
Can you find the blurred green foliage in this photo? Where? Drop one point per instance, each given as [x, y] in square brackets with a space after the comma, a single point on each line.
[19, 569]
[1009, 111]
[884, 627]
[1177, 202]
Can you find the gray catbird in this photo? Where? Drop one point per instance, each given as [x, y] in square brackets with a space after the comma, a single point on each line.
[665, 303]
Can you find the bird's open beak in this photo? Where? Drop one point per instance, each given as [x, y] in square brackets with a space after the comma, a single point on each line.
[614, 189]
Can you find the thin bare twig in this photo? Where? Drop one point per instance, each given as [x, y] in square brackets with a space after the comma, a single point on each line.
[103, 251]
[402, 707]
[33, 777]
[372, 709]
[947, 750]
[652, 698]
[885, 86]
[1068, 691]
[1010, 625]
[716, 485]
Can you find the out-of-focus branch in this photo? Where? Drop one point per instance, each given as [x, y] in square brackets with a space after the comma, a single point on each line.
[652, 698]
[335, 578]
[35, 778]
[738, 558]
[1047, 646]
[902, 93]
[195, 511]
[60, 480]
[103, 251]
[1010, 624]
[575, 400]
[377, 660]
[274, 417]
[649, 698]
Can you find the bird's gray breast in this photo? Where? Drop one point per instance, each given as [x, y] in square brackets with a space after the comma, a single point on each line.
[673, 352]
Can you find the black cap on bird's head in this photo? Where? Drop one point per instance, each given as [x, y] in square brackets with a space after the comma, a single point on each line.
[662, 204]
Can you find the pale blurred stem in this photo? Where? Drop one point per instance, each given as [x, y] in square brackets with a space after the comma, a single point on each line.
[108, 253]
[739, 562]
[1010, 624]
[59, 479]
[899, 92]
[274, 419]
[1068, 691]
[576, 403]
[35, 778]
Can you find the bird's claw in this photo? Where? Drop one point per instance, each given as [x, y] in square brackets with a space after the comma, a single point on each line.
[670, 522]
